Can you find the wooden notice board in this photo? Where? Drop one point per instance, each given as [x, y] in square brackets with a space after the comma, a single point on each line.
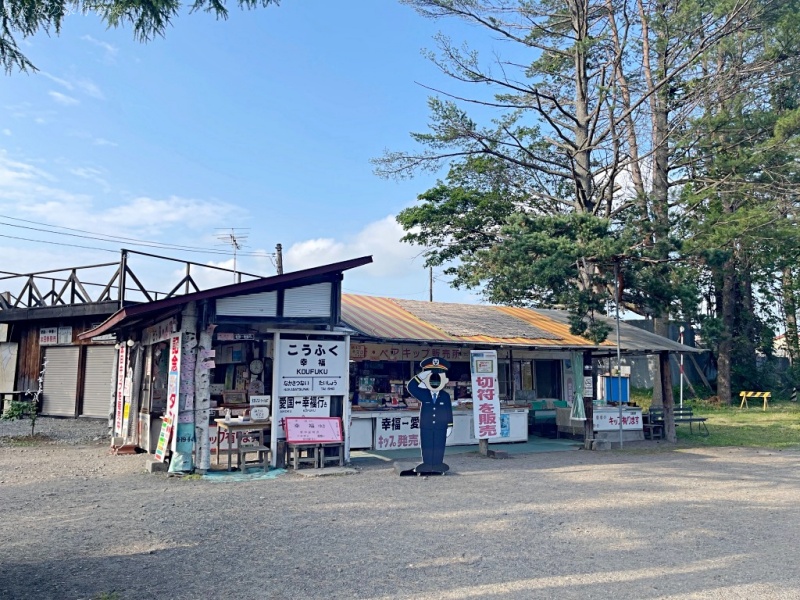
[313, 430]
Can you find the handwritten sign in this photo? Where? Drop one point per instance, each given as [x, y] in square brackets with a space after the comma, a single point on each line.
[313, 430]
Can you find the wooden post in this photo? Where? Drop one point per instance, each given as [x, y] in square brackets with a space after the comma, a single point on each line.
[202, 388]
[666, 394]
[589, 394]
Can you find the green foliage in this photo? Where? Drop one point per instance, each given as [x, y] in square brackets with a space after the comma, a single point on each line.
[148, 19]
[19, 409]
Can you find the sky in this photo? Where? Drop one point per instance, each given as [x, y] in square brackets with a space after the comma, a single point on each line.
[263, 124]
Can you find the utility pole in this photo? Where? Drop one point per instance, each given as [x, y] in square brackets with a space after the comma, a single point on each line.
[279, 258]
[430, 284]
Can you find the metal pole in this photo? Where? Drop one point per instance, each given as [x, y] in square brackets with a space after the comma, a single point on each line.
[430, 284]
[681, 340]
[619, 353]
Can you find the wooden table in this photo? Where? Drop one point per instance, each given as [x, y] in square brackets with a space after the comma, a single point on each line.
[237, 427]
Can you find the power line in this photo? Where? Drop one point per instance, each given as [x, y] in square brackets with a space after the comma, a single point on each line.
[13, 237]
[116, 239]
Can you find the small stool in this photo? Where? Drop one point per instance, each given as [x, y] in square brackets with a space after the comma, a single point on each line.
[256, 447]
[303, 453]
[338, 457]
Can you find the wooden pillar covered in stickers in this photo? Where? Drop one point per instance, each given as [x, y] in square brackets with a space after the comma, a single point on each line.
[184, 433]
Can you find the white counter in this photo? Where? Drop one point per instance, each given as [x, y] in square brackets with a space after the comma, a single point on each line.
[398, 429]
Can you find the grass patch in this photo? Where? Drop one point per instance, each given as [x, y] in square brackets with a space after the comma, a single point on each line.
[778, 427]
[107, 596]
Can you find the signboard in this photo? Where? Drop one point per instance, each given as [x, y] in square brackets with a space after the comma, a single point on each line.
[3, 332]
[588, 386]
[485, 393]
[392, 433]
[608, 420]
[122, 359]
[65, 335]
[301, 406]
[48, 336]
[8, 366]
[400, 352]
[313, 430]
[315, 366]
[173, 389]
[235, 337]
[159, 332]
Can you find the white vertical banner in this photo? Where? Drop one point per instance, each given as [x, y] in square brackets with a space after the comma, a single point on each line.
[174, 385]
[485, 393]
[122, 358]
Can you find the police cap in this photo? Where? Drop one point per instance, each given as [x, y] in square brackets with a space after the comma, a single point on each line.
[434, 363]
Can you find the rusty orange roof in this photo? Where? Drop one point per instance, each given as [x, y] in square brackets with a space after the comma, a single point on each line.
[440, 322]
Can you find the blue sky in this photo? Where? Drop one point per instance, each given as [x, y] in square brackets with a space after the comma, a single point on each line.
[265, 121]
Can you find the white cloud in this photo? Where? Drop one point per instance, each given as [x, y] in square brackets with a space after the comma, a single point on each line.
[6, 131]
[63, 98]
[381, 239]
[103, 142]
[78, 84]
[91, 175]
[110, 51]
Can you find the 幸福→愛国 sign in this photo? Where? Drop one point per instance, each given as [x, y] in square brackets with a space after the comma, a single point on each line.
[315, 366]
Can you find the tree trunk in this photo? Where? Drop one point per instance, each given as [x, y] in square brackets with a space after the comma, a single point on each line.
[726, 343]
[790, 308]
[660, 327]
[669, 403]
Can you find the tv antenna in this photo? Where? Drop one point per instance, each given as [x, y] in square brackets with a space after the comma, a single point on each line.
[235, 238]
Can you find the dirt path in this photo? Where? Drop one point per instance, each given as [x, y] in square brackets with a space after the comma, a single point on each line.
[710, 523]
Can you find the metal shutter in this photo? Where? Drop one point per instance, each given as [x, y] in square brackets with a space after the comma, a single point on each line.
[264, 304]
[98, 381]
[308, 301]
[60, 381]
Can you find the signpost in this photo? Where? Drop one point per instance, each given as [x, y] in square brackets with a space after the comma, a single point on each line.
[485, 397]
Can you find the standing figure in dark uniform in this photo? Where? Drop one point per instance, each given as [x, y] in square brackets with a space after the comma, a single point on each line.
[435, 415]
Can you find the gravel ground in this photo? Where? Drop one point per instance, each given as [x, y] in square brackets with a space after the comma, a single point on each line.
[635, 524]
[51, 430]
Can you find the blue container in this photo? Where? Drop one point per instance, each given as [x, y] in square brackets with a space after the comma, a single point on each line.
[613, 391]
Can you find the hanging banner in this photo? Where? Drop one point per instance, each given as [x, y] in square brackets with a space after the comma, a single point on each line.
[173, 389]
[485, 393]
[122, 358]
[315, 366]
[159, 332]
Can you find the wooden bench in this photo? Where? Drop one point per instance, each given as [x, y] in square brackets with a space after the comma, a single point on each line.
[653, 423]
[745, 395]
[686, 415]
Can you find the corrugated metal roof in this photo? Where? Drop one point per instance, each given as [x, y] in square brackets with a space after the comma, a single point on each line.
[387, 319]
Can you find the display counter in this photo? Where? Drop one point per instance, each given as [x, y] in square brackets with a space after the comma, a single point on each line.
[390, 429]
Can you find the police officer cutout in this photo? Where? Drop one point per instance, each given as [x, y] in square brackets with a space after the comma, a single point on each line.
[435, 415]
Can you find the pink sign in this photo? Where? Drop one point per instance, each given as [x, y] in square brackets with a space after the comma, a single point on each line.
[313, 430]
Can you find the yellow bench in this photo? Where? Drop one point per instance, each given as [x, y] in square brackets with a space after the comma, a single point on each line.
[745, 395]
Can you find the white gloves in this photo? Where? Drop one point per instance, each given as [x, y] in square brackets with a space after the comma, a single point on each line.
[449, 431]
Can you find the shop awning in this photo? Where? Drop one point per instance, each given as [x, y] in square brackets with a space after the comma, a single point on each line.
[397, 320]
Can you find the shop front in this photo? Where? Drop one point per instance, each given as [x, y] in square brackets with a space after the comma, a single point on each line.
[207, 373]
